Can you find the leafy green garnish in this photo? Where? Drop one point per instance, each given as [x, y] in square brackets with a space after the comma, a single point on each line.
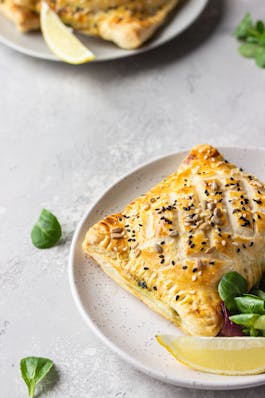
[230, 286]
[253, 37]
[33, 370]
[246, 320]
[47, 231]
[250, 304]
[258, 293]
[243, 28]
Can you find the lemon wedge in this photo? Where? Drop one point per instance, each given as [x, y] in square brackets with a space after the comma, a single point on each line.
[221, 355]
[61, 40]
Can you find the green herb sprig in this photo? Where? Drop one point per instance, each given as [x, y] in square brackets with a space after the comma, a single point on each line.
[248, 309]
[252, 36]
[33, 370]
[47, 231]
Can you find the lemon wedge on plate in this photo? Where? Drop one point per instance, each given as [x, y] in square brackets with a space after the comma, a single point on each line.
[221, 355]
[61, 40]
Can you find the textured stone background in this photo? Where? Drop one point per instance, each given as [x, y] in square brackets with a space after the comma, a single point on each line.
[69, 132]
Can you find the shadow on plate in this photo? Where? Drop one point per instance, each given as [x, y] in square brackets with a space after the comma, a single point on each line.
[183, 44]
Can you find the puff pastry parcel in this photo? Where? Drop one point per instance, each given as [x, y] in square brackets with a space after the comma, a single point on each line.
[171, 246]
[126, 23]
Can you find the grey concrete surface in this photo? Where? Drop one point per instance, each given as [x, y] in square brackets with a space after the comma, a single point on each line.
[66, 134]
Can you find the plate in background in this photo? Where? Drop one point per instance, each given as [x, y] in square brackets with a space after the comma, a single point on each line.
[123, 322]
[33, 44]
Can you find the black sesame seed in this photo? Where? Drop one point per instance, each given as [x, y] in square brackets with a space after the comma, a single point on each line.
[192, 245]
[251, 244]
[204, 243]
[146, 268]
[184, 267]
[258, 201]
[173, 262]
[211, 262]
[206, 192]
[186, 208]
[161, 256]
[244, 246]
[155, 288]
[162, 261]
[140, 225]
[238, 250]
[142, 284]
[177, 297]
[240, 169]
[162, 243]
[259, 217]
[195, 269]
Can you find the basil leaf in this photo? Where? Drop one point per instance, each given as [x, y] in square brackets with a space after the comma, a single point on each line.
[260, 58]
[250, 304]
[260, 27]
[230, 286]
[246, 320]
[242, 29]
[249, 50]
[260, 323]
[47, 231]
[33, 370]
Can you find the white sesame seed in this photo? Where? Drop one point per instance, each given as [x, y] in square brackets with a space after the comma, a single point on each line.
[223, 242]
[146, 206]
[234, 243]
[194, 278]
[210, 250]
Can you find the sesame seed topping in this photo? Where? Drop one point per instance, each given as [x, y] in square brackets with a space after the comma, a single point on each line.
[158, 248]
[173, 233]
[177, 297]
[184, 267]
[210, 250]
[146, 268]
[223, 242]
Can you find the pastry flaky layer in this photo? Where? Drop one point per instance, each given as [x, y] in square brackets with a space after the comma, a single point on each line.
[171, 246]
[127, 23]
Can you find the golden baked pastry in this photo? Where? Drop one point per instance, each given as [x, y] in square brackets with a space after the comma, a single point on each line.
[127, 23]
[171, 246]
[24, 15]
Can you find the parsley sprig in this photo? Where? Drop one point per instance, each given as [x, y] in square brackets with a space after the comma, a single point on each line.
[252, 36]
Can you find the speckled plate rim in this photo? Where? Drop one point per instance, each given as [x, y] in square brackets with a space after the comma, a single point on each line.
[210, 385]
[152, 44]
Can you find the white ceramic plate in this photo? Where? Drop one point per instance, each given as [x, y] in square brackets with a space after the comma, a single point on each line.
[124, 323]
[33, 44]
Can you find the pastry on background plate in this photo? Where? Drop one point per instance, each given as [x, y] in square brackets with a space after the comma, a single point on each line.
[171, 246]
[126, 23]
